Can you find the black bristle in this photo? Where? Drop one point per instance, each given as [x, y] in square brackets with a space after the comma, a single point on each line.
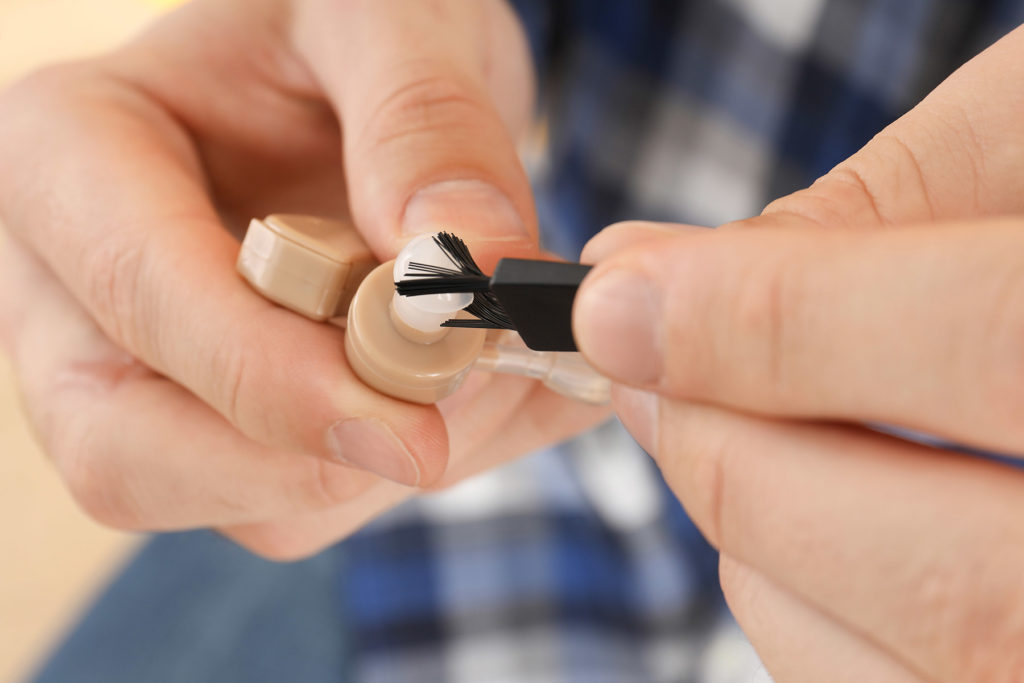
[417, 269]
[470, 323]
[449, 284]
[457, 252]
[465, 277]
[488, 309]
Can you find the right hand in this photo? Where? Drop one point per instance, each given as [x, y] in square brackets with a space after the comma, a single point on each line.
[170, 395]
[889, 292]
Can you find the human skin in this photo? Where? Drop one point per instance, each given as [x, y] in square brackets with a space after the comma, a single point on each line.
[169, 396]
[749, 359]
[167, 393]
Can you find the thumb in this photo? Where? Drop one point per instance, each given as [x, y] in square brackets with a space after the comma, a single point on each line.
[425, 146]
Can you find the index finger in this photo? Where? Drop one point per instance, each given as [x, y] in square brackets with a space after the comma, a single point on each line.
[425, 143]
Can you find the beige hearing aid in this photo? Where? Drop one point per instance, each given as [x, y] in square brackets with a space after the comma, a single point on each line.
[322, 269]
[309, 265]
[398, 358]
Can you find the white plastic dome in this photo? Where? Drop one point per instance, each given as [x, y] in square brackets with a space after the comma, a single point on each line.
[425, 313]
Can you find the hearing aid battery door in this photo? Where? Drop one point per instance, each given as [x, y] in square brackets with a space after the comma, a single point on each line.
[307, 264]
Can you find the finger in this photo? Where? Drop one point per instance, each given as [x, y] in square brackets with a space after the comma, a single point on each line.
[481, 424]
[638, 412]
[798, 643]
[425, 144]
[919, 549]
[917, 327]
[955, 155]
[303, 535]
[269, 144]
[621, 236]
[110, 196]
[506, 406]
[136, 450]
[479, 410]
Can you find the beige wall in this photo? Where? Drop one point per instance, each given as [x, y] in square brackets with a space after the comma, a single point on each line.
[53, 558]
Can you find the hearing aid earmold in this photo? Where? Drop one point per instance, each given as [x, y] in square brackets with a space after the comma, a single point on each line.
[397, 345]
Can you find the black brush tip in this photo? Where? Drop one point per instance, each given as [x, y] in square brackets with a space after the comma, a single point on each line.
[445, 284]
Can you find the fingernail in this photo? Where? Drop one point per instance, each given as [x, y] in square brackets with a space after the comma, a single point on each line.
[638, 412]
[463, 206]
[369, 444]
[617, 322]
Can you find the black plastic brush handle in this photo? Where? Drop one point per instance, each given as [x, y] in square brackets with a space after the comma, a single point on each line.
[538, 297]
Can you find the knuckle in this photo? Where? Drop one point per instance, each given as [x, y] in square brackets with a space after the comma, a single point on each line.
[97, 489]
[690, 352]
[710, 476]
[115, 288]
[764, 307]
[327, 484]
[848, 186]
[884, 183]
[230, 364]
[424, 103]
[237, 363]
[885, 180]
[889, 150]
[818, 206]
[699, 465]
[233, 372]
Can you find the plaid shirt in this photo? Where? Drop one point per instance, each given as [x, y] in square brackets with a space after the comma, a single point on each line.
[578, 564]
[575, 564]
[703, 111]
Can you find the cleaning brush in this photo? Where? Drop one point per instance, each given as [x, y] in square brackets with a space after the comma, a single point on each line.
[529, 296]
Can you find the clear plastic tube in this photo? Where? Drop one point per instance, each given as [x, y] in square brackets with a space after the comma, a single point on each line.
[564, 372]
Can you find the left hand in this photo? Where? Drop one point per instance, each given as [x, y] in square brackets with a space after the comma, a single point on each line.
[167, 393]
[847, 554]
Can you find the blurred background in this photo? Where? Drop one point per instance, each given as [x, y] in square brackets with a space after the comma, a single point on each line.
[54, 557]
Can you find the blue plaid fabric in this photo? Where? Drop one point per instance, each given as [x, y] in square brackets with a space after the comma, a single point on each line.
[575, 564]
[702, 111]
